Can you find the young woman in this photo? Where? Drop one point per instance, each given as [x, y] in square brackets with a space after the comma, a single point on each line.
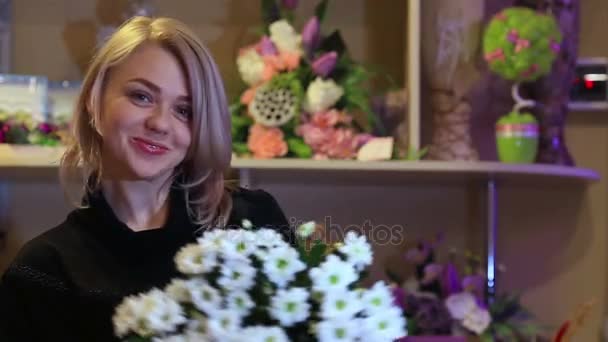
[152, 145]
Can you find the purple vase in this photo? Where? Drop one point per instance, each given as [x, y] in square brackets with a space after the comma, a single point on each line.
[433, 339]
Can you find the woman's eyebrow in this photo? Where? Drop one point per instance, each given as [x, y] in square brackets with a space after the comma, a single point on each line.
[156, 88]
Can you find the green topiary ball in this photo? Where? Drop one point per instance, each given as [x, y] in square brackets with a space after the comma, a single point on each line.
[520, 44]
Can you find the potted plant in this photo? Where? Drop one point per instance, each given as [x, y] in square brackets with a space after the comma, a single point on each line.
[447, 303]
[520, 45]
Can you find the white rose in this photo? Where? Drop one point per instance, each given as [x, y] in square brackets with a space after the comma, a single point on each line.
[460, 304]
[251, 67]
[285, 37]
[322, 95]
[477, 320]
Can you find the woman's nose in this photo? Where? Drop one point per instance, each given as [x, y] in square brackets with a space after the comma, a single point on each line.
[158, 120]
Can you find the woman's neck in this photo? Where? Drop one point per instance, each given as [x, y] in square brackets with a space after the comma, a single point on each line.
[141, 205]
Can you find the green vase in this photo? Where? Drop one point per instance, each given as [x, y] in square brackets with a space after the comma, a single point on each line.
[517, 138]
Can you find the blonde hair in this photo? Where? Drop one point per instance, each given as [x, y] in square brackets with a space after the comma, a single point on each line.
[201, 174]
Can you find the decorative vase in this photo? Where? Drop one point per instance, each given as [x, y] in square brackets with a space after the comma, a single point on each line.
[517, 138]
[452, 30]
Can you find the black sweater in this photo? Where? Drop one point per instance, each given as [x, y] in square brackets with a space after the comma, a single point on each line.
[65, 284]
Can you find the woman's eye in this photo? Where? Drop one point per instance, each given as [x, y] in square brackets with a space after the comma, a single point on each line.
[140, 97]
[184, 111]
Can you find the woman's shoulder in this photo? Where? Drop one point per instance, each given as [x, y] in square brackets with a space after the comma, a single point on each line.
[257, 197]
[39, 261]
[260, 208]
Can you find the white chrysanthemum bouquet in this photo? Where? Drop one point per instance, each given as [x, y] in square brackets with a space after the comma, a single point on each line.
[251, 284]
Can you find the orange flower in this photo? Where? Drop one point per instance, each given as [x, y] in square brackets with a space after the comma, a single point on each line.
[248, 95]
[266, 142]
[284, 61]
[291, 60]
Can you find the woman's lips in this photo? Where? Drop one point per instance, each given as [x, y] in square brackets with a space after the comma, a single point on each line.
[149, 147]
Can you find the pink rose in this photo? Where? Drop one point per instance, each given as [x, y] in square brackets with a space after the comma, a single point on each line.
[341, 144]
[326, 119]
[266, 142]
[314, 136]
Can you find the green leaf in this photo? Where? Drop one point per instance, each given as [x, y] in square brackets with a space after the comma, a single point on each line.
[240, 127]
[486, 337]
[315, 256]
[414, 154]
[240, 148]
[138, 339]
[298, 147]
[321, 10]
[504, 331]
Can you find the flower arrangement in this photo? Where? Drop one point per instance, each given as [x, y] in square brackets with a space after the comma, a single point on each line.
[304, 92]
[442, 301]
[245, 282]
[20, 128]
[521, 44]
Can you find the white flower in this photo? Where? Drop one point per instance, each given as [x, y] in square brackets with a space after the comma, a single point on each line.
[238, 244]
[126, 316]
[282, 264]
[460, 304]
[192, 259]
[223, 324]
[164, 314]
[246, 224]
[340, 304]
[204, 297]
[265, 334]
[387, 325]
[211, 241]
[269, 238]
[237, 274]
[322, 95]
[240, 302]
[285, 37]
[333, 274]
[378, 298]
[188, 336]
[178, 290]
[477, 320]
[251, 67]
[357, 250]
[339, 330]
[147, 314]
[306, 229]
[290, 306]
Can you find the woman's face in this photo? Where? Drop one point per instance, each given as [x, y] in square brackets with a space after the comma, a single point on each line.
[145, 116]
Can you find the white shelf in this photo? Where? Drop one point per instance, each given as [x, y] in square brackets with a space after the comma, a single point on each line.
[423, 170]
[14, 159]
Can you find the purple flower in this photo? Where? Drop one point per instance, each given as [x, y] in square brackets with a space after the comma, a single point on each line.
[324, 65]
[451, 280]
[476, 285]
[398, 296]
[311, 35]
[45, 128]
[290, 4]
[266, 47]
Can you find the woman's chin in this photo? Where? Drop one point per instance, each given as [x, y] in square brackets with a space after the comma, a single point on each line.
[151, 172]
